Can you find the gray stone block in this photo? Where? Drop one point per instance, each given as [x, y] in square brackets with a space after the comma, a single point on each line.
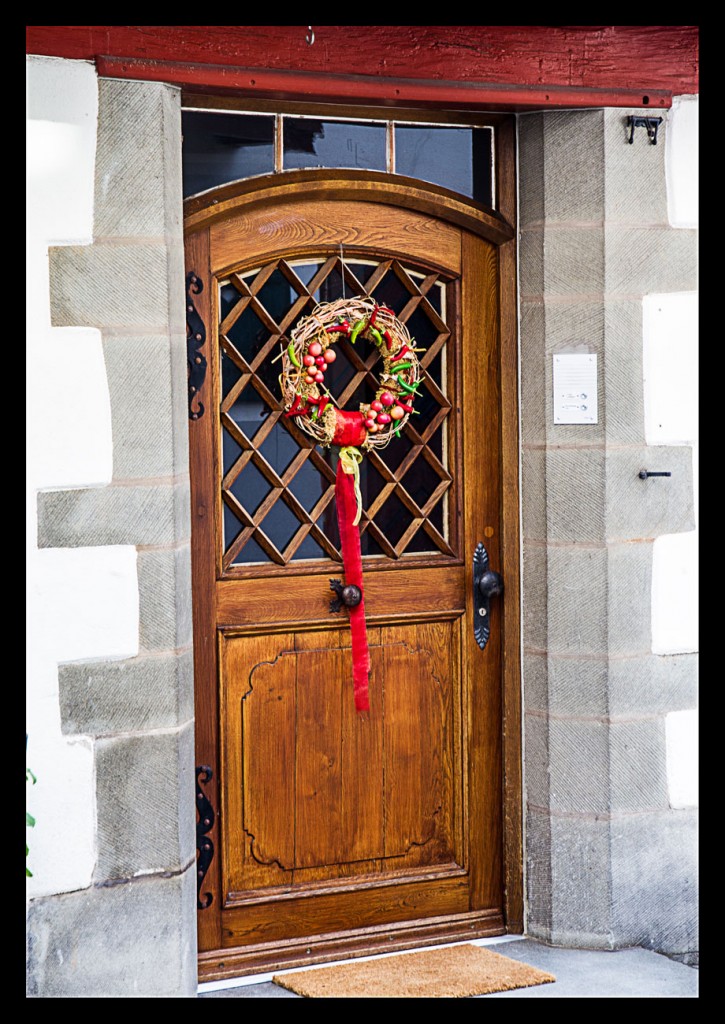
[577, 599]
[580, 883]
[648, 508]
[531, 263]
[538, 874]
[655, 259]
[102, 697]
[623, 372]
[129, 941]
[533, 584]
[638, 765]
[635, 174]
[138, 159]
[533, 493]
[576, 325]
[145, 803]
[653, 684]
[654, 881]
[574, 168]
[180, 402]
[122, 286]
[140, 385]
[164, 580]
[536, 760]
[575, 493]
[629, 598]
[533, 370]
[574, 260]
[154, 514]
[531, 169]
[579, 766]
[566, 686]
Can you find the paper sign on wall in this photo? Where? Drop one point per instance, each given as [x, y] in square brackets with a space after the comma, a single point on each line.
[575, 388]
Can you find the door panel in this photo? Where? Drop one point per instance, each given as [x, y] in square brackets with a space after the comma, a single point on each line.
[331, 824]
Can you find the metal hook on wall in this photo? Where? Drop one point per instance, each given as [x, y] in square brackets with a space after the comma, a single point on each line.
[310, 37]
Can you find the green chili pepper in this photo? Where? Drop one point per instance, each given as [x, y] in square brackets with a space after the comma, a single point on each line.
[292, 354]
[402, 366]
[377, 336]
[409, 387]
[397, 431]
[356, 330]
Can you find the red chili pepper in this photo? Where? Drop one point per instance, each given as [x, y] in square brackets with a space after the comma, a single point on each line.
[408, 408]
[323, 404]
[343, 328]
[373, 315]
[388, 337]
[299, 408]
[399, 355]
[387, 309]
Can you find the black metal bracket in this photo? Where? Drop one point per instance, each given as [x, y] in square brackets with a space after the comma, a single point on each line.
[645, 473]
[195, 339]
[486, 584]
[650, 123]
[204, 845]
[350, 596]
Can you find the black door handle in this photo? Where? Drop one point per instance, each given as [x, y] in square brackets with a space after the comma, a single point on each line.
[486, 584]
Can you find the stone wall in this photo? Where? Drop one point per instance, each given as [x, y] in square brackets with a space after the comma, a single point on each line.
[132, 932]
[609, 862]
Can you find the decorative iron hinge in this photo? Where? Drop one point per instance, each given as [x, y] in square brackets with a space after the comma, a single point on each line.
[195, 339]
[650, 123]
[204, 845]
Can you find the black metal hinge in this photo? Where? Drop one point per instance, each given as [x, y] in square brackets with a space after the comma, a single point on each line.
[195, 339]
[204, 845]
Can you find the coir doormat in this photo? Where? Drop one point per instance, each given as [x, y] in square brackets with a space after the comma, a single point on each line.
[450, 972]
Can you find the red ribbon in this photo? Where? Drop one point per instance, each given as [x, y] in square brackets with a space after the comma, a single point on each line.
[352, 567]
[350, 428]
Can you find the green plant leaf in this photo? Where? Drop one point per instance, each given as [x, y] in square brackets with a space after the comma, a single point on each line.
[29, 820]
[29, 774]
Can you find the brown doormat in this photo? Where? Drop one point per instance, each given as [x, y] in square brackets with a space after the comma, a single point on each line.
[450, 972]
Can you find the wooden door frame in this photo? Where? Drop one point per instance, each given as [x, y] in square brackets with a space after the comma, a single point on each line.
[499, 228]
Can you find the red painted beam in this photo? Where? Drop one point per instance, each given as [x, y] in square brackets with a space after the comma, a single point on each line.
[613, 58]
[391, 92]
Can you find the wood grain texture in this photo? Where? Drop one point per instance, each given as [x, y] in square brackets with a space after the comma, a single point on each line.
[482, 514]
[295, 229]
[387, 593]
[392, 937]
[608, 56]
[202, 471]
[376, 187]
[348, 822]
[511, 546]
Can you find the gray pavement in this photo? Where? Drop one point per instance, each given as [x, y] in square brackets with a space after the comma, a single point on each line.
[580, 973]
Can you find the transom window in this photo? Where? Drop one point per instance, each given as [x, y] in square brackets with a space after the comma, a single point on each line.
[225, 146]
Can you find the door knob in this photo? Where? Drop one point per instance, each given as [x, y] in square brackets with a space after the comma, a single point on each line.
[350, 596]
[486, 584]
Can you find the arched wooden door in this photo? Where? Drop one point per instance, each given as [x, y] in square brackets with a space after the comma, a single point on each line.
[325, 833]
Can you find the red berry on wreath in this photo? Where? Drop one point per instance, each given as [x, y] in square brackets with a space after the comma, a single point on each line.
[386, 398]
[383, 418]
[308, 360]
[329, 355]
[397, 413]
[369, 423]
[377, 406]
[321, 362]
[319, 377]
[315, 348]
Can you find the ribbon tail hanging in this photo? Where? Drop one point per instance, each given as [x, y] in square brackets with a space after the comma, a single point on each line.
[349, 507]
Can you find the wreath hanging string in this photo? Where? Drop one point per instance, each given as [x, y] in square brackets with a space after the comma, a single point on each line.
[374, 424]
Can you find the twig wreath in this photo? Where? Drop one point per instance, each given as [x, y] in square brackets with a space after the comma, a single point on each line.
[312, 350]
[302, 381]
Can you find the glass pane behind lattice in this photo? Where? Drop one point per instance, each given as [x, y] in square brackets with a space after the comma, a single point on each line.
[287, 452]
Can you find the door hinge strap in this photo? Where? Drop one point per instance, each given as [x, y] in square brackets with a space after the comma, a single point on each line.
[195, 340]
[204, 845]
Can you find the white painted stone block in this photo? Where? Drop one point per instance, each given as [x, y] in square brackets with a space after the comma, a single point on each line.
[682, 746]
[682, 162]
[675, 593]
[670, 331]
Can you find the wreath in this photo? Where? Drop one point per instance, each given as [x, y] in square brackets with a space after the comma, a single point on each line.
[312, 350]
[305, 361]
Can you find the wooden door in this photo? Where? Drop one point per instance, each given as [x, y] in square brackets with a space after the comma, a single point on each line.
[325, 833]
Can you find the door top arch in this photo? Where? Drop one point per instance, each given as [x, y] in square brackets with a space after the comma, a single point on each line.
[220, 203]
